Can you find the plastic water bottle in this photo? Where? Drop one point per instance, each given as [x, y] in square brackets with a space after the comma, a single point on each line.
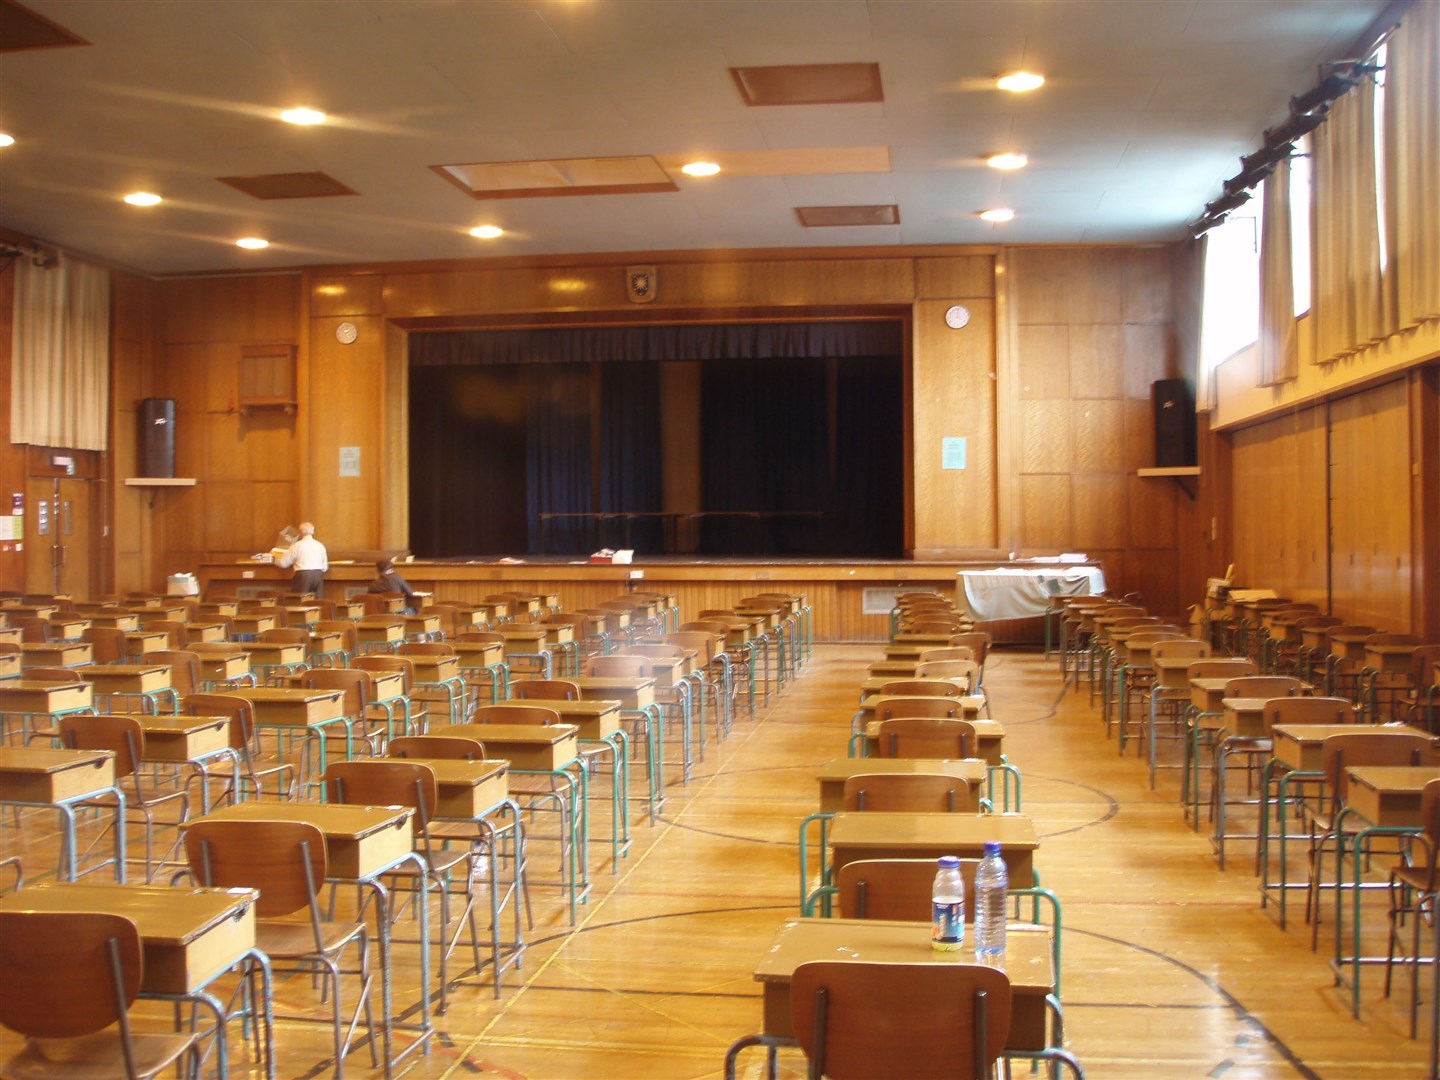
[947, 927]
[991, 882]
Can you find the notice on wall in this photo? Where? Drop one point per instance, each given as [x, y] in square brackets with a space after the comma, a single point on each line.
[349, 461]
[952, 452]
[12, 526]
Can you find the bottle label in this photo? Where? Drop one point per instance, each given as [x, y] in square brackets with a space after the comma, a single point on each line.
[947, 927]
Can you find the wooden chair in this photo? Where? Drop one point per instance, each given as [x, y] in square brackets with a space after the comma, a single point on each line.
[174, 631]
[107, 644]
[55, 676]
[123, 736]
[923, 688]
[245, 741]
[964, 673]
[66, 980]
[288, 863]
[915, 793]
[349, 635]
[897, 889]
[33, 631]
[945, 652]
[395, 782]
[415, 714]
[857, 1020]
[1338, 754]
[184, 671]
[1413, 892]
[545, 690]
[355, 685]
[537, 715]
[927, 737]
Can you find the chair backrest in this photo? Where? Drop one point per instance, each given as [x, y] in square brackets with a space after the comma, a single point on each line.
[240, 710]
[426, 648]
[701, 642]
[946, 708]
[107, 643]
[344, 627]
[56, 675]
[896, 889]
[385, 782]
[857, 1020]
[923, 688]
[1372, 747]
[57, 972]
[285, 635]
[1430, 821]
[1229, 667]
[978, 642]
[121, 735]
[271, 856]
[355, 682]
[1422, 666]
[944, 653]
[620, 666]
[174, 631]
[184, 668]
[1180, 647]
[388, 663]
[926, 737]
[1350, 630]
[964, 673]
[33, 631]
[484, 637]
[1313, 622]
[449, 747]
[919, 793]
[545, 690]
[516, 714]
[656, 649]
[1264, 686]
[935, 624]
[1307, 710]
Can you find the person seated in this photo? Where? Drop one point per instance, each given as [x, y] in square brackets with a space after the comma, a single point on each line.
[390, 581]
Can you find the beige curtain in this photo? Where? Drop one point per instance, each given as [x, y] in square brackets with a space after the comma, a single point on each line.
[1349, 298]
[1412, 164]
[1189, 275]
[1279, 358]
[60, 381]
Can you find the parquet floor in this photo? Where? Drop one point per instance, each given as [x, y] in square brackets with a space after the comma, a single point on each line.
[1171, 967]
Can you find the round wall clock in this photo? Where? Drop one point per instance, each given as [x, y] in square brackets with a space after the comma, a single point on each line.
[957, 316]
[346, 333]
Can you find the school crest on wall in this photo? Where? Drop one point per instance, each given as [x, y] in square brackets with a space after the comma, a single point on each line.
[640, 284]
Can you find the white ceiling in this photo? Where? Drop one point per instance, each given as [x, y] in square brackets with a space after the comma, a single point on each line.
[1147, 107]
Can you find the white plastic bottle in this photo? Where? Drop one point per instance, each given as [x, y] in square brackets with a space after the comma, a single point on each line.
[947, 897]
[992, 880]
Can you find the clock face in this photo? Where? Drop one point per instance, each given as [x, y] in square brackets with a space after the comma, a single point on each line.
[957, 316]
[346, 332]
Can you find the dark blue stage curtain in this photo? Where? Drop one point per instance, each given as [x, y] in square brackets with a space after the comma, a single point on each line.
[548, 441]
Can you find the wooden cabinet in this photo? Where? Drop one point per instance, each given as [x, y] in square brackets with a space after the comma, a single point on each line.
[267, 377]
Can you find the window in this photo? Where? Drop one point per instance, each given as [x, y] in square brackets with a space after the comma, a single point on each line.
[1230, 310]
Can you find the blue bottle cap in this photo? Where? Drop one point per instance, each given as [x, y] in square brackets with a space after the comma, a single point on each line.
[992, 847]
[949, 862]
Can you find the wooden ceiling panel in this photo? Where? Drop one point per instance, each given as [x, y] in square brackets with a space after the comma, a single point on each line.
[818, 216]
[809, 84]
[303, 185]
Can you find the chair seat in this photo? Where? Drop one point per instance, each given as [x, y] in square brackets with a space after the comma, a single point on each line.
[95, 1057]
[1414, 877]
[290, 940]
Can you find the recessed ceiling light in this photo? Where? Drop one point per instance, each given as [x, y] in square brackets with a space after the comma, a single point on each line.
[487, 232]
[998, 214]
[1019, 82]
[6, 140]
[143, 198]
[1007, 161]
[303, 115]
[252, 243]
[700, 168]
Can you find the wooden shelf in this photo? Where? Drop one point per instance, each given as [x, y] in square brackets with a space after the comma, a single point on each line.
[267, 403]
[160, 481]
[267, 378]
[1184, 475]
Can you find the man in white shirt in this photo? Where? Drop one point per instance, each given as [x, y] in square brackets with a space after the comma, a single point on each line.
[310, 560]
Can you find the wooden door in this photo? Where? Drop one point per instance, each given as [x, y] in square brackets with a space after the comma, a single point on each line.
[58, 543]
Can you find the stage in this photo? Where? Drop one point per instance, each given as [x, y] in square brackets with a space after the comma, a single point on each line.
[851, 600]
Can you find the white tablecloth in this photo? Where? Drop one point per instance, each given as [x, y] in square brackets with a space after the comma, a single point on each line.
[1006, 593]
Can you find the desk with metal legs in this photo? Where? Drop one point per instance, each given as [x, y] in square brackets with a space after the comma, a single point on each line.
[36, 777]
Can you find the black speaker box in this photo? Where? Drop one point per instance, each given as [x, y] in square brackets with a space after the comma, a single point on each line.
[1174, 423]
[156, 445]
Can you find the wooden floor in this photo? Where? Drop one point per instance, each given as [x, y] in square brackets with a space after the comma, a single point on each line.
[1171, 967]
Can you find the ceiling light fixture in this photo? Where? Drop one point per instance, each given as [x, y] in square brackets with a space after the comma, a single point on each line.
[700, 168]
[1007, 161]
[999, 214]
[1020, 82]
[143, 198]
[303, 116]
[252, 243]
[487, 232]
[6, 140]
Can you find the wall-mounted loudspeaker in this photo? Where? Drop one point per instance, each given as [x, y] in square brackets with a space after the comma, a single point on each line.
[156, 445]
[1174, 423]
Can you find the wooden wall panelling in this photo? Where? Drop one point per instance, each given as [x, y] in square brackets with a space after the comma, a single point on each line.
[1097, 360]
[1370, 506]
[1098, 432]
[12, 457]
[954, 395]
[957, 276]
[346, 294]
[247, 310]
[1047, 440]
[350, 382]
[1046, 515]
[1098, 512]
[1425, 497]
[395, 461]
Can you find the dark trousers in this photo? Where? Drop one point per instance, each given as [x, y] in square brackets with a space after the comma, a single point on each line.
[311, 581]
